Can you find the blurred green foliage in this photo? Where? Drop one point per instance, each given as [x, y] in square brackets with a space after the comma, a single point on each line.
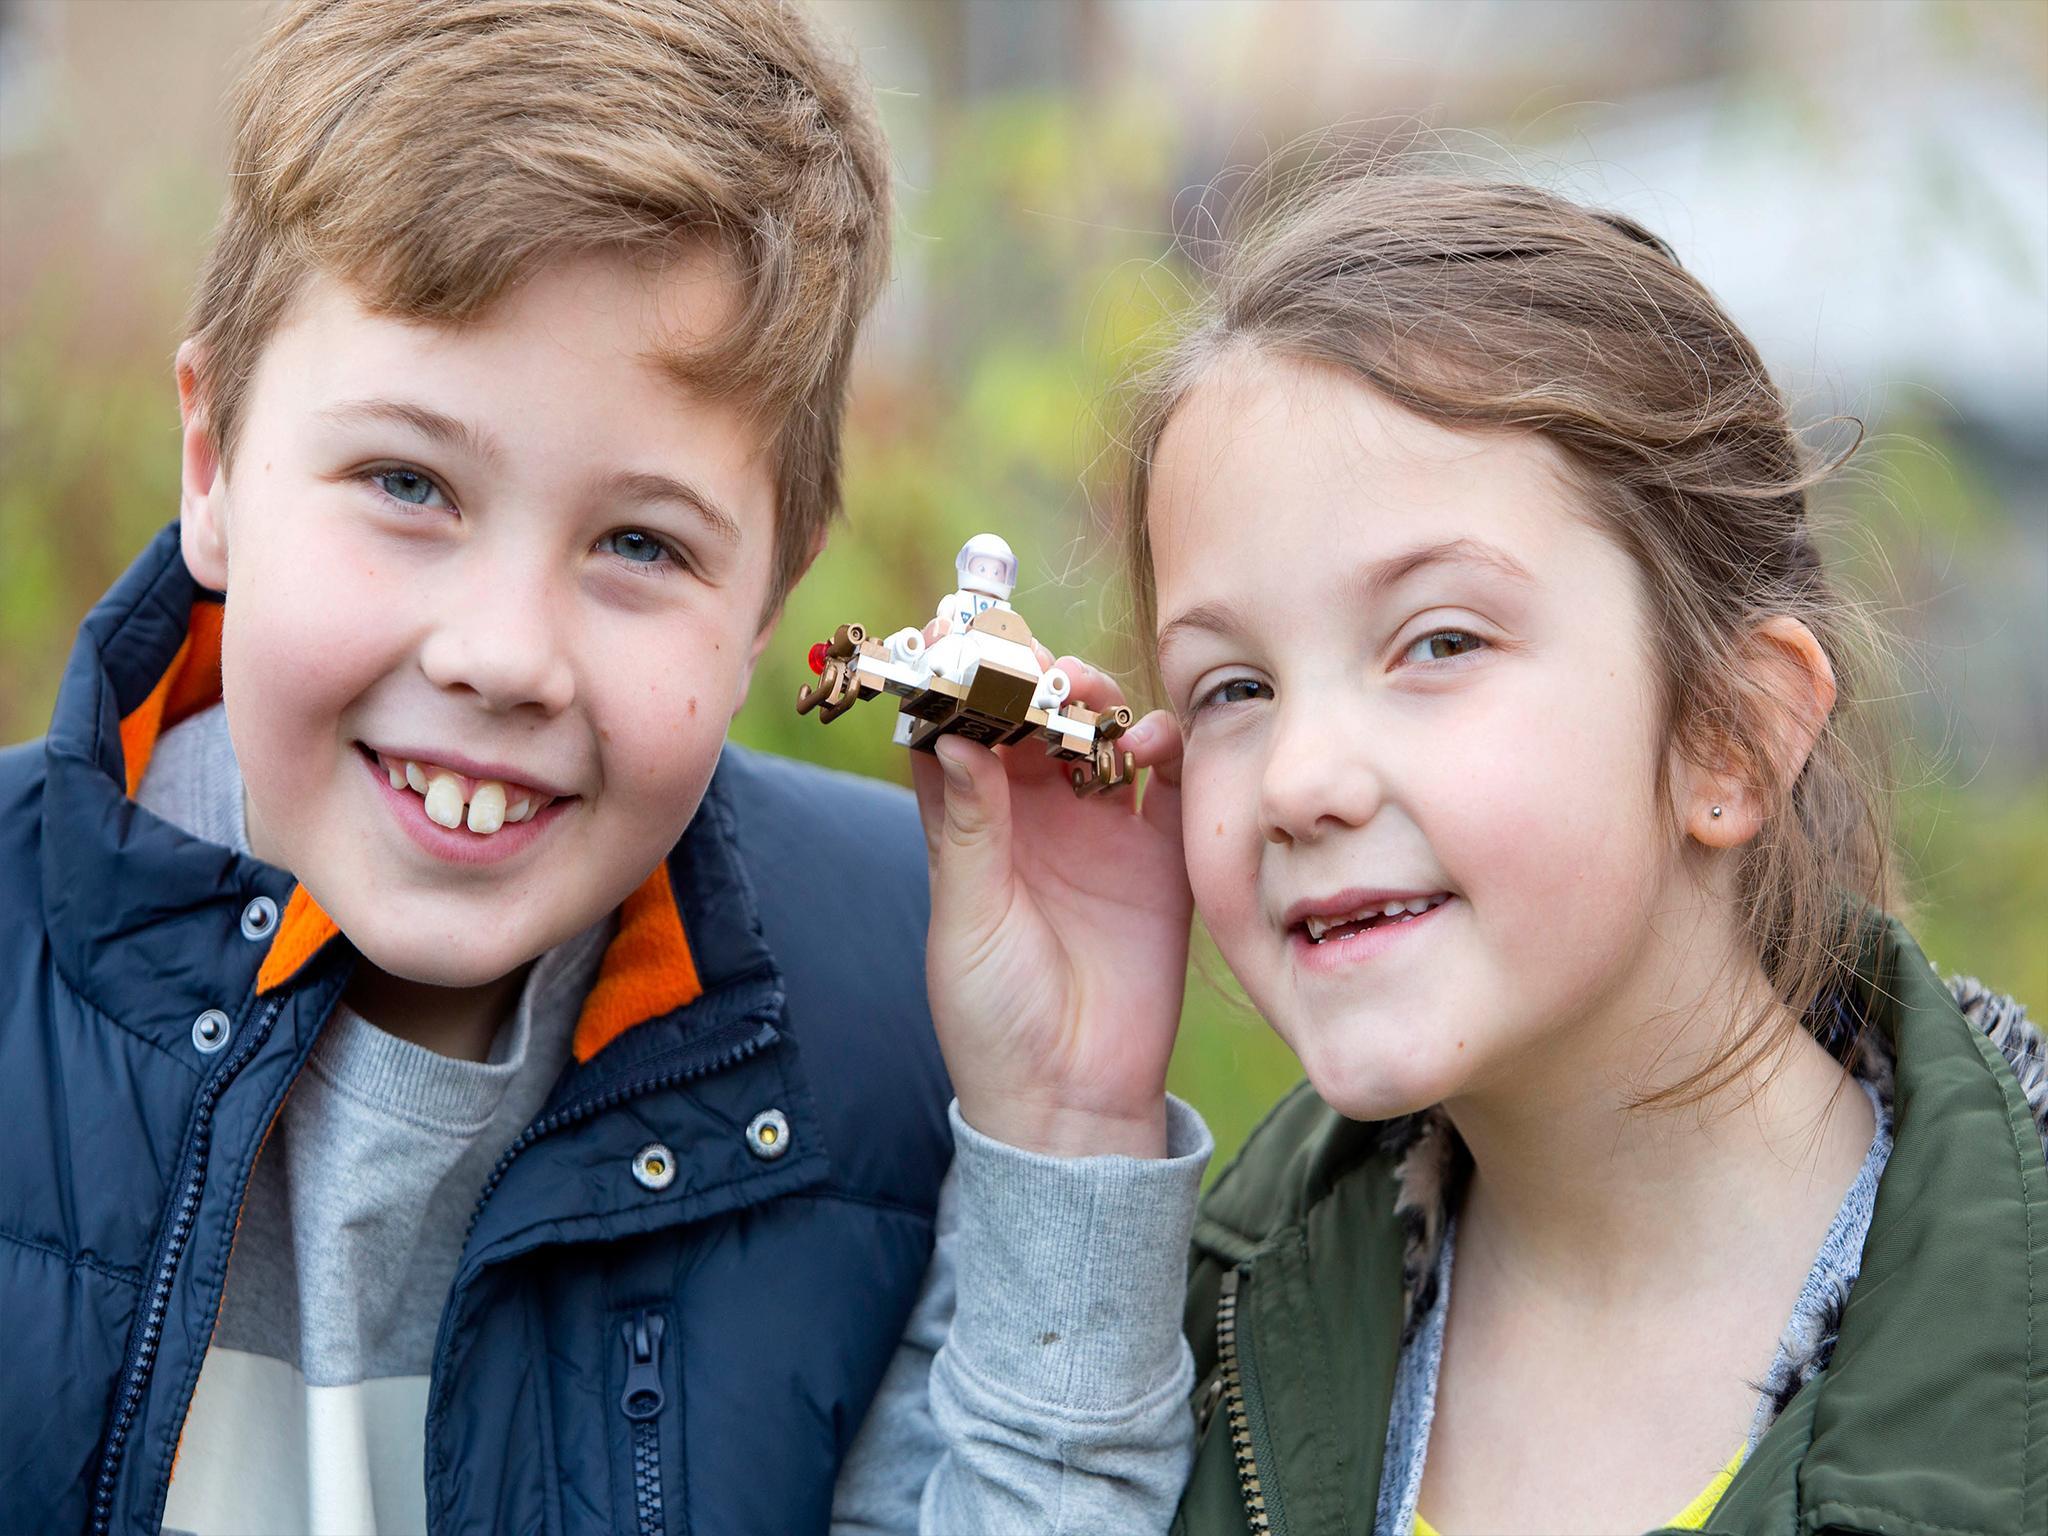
[1023, 290]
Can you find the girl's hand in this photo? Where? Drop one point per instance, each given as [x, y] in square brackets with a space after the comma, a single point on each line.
[1059, 938]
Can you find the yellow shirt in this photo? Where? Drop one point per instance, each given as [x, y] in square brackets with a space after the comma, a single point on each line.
[1690, 1518]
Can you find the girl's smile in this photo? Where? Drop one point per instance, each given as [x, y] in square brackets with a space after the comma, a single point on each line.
[1344, 931]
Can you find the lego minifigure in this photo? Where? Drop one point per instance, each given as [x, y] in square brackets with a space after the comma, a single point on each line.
[978, 675]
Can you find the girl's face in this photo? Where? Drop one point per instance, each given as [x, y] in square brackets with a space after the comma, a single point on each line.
[1414, 677]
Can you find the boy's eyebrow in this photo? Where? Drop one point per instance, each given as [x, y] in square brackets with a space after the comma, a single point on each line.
[1225, 618]
[644, 485]
[423, 419]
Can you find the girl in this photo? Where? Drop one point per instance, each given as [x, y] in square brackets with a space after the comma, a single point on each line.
[1645, 1173]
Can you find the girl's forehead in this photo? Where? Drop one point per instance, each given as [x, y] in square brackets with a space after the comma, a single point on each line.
[1298, 465]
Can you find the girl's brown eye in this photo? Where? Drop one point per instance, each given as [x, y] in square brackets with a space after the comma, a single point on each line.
[1442, 645]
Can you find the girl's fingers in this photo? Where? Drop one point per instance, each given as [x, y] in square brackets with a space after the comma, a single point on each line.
[971, 847]
[1093, 688]
[930, 784]
[1158, 748]
[1155, 743]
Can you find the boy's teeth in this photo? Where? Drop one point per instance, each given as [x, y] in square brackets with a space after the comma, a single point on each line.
[487, 807]
[444, 799]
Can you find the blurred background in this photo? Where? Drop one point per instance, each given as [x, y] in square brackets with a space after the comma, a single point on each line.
[1864, 186]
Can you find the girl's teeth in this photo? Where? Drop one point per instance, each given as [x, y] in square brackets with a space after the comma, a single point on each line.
[416, 777]
[487, 807]
[397, 775]
[1402, 910]
[519, 810]
[444, 799]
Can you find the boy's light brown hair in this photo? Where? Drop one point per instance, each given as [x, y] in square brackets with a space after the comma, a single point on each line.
[430, 153]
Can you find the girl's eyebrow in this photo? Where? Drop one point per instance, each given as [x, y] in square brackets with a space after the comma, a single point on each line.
[1221, 617]
[1381, 575]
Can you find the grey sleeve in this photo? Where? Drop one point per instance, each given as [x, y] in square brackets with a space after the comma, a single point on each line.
[1042, 1382]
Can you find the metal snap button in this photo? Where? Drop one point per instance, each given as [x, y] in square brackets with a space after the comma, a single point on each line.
[655, 1166]
[210, 1031]
[259, 918]
[768, 1134]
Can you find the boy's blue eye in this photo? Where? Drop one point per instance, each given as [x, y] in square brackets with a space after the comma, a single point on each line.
[408, 486]
[637, 547]
[1442, 645]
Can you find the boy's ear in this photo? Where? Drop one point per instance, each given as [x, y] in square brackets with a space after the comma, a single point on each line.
[202, 530]
[1793, 682]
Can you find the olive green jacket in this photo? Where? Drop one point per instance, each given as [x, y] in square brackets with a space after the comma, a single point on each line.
[1930, 1416]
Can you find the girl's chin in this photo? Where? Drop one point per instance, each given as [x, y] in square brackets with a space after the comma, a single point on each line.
[1382, 1085]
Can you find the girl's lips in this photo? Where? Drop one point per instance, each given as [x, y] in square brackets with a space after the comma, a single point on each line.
[1341, 952]
[459, 845]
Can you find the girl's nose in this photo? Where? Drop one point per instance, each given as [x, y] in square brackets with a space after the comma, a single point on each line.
[1317, 779]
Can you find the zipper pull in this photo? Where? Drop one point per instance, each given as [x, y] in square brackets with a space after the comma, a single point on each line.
[642, 1397]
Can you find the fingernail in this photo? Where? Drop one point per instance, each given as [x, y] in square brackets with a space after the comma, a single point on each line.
[950, 764]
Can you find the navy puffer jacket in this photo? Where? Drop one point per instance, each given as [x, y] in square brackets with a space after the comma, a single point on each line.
[610, 1357]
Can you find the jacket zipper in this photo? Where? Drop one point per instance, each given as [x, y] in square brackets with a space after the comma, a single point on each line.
[641, 1400]
[142, 1357]
[1250, 1485]
[727, 1055]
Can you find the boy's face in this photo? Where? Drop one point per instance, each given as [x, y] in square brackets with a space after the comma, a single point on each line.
[516, 552]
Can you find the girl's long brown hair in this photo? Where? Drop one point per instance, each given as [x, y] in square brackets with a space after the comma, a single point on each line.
[1486, 306]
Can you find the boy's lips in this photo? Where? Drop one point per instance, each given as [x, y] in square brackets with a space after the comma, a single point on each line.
[458, 845]
[517, 781]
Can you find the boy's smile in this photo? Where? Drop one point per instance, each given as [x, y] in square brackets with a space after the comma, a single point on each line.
[493, 595]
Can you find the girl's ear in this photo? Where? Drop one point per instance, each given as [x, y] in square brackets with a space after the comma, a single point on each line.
[202, 531]
[1791, 689]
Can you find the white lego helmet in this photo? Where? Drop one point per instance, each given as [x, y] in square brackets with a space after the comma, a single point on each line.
[986, 565]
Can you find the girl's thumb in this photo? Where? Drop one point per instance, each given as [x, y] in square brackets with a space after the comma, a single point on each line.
[976, 818]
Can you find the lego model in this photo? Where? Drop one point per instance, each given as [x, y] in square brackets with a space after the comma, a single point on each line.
[978, 677]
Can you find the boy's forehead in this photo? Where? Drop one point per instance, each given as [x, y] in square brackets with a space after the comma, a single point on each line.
[598, 344]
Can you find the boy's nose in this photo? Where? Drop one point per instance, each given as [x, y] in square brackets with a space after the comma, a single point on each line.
[503, 648]
[1315, 780]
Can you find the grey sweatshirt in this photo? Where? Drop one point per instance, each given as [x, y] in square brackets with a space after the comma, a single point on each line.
[1041, 1385]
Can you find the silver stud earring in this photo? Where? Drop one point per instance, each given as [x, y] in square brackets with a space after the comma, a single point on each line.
[1716, 813]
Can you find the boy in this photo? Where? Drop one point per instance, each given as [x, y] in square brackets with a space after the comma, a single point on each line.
[556, 1146]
